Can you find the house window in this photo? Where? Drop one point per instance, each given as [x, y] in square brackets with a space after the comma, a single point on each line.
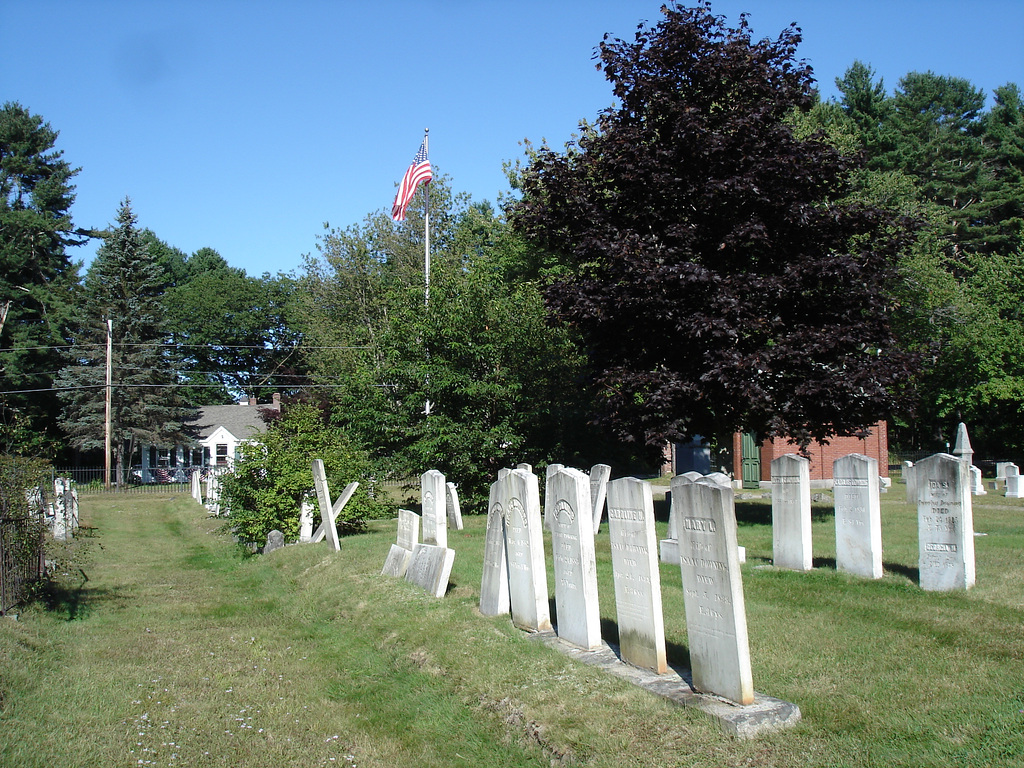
[222, 454]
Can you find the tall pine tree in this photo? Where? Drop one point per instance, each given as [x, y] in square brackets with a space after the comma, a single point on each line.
[123, 285]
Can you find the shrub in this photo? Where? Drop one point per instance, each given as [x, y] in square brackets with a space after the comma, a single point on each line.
[266, 485]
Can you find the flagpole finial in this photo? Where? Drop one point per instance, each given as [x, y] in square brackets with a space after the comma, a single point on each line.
[426, 130]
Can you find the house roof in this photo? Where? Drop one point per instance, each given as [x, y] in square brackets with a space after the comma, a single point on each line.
[242, 421]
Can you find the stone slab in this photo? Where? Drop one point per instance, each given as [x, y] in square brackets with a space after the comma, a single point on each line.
[599, 476]
[791, 512]
[519, 496]
[766, 715]
[430, 568]
[635, 572]
[408, 529]
[453, 507]
[575, 563]
[397, 562]
[494, 594]
[432, 499]
[945, 524]
[716, 618]
[858, 516]
[1012, 477]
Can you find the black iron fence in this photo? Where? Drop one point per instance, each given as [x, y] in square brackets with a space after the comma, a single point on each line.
[90, 480]
[21, 558]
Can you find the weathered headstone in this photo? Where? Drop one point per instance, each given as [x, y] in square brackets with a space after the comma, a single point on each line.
[453, 507]
[599, 475]
[791, 512]
[720, 478]
[1012, 481]
[945, 524]
[858, 516]
[716, 620]
[552, 468]
[977, 486]
[430, 567]
[519, 497]
[635, 571]
[1001, 469]
[275, 540]
[575, 562]
[306, 519]
[397, 562]
[435, 518]
[494, 595]
[908, 478]
[329, 512]
[213, 492]
[525, 467]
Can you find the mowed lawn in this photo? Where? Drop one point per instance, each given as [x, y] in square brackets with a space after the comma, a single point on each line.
[160, 644]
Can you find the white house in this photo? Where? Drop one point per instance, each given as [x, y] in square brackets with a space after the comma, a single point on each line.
[221, 429]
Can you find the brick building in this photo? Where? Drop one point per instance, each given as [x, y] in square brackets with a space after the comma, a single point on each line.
[752, 460]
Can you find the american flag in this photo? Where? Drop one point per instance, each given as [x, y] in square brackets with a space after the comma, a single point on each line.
[418, 172]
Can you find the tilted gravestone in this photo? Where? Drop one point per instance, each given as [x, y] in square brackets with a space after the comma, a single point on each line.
[328, 512]
[453, 507]
[635, 572]
[791, 512]
[945, 524]
[858, 515]
[519, 497]
[599, 475]
[494, 595]
[397, 562]
[575, 562]
[716, 620]
[430, 567]
[1012, 474]
[432, 499]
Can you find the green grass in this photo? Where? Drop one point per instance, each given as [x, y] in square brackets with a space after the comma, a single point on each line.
[161, 645]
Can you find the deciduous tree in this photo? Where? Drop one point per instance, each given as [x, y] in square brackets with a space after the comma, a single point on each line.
[717, 275]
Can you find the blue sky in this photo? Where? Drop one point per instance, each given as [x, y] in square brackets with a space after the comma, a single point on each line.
[244, 125]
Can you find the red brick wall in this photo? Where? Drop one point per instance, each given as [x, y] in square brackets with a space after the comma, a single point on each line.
[876, 445]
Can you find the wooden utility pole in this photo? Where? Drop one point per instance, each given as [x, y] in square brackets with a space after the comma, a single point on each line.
[106, 425]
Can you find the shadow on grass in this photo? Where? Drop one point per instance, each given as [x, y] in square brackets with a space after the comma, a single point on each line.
[70, 598]
[914, 574]
[676, 655]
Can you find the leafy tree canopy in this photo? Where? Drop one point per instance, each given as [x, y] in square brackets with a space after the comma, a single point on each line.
[716, 274]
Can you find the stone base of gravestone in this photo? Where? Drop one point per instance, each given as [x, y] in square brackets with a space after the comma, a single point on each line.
[275, 540]
[430, 567]
[397, 562]
[750, 721]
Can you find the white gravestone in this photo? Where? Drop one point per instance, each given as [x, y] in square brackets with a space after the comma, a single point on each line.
[430, 567]
[453, 507]
[328, 512]
[1001, 469]
[858, 516]
[635, 571]
[720, 478]
[196, 486]
[64, 513]
[575, 562]
[716, 619]
[397, 562]
[494, 596]
[599, 475]
[435, 518]
[519, 496]
[945, 524]
[962, 448]
[1012, 481]
[908, 478]
[977, 487]
[306, 520]
[791, 512]
[213, 492]
[552, 468]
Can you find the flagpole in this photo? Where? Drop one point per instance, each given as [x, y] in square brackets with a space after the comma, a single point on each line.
[426, 240]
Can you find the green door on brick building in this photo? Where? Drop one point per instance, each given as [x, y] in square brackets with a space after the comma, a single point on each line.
[751, 461]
